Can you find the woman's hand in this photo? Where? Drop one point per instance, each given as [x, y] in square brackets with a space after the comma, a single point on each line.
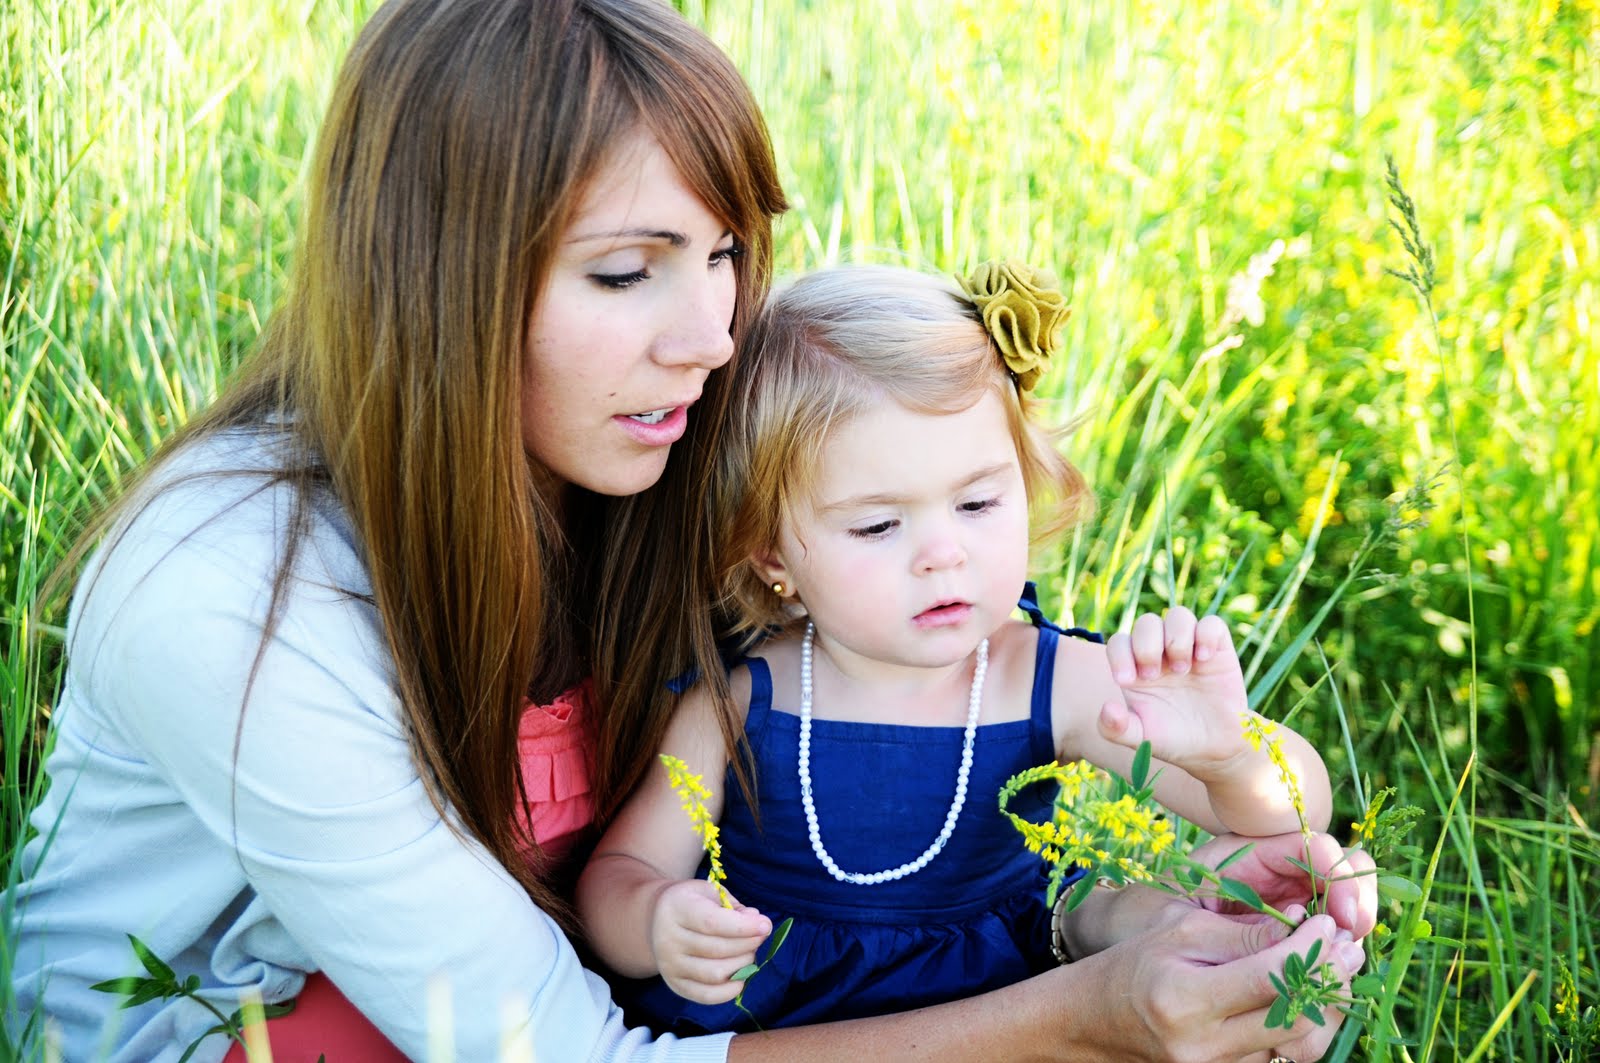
[1197, 988]
[1347, 887]
[1196, 973]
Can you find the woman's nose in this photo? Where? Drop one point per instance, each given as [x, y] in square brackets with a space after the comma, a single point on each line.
[700, 334]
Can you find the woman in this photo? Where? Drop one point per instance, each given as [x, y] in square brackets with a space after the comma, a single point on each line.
[300, 657]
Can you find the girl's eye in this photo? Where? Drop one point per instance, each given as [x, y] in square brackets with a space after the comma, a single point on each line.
[981, 505]
[725, 255]
[618, 281]
[874, 531]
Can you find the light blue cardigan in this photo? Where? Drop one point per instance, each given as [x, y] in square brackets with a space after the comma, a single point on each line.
[314, 847]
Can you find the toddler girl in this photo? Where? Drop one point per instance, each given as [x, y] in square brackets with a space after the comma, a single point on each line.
[876, 487]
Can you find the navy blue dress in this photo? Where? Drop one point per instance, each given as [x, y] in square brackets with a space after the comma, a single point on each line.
[973, 919]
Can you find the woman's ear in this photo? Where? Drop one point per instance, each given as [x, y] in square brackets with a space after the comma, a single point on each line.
[769, 565]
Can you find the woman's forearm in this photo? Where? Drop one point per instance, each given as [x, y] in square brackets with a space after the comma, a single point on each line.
[1038, 1019]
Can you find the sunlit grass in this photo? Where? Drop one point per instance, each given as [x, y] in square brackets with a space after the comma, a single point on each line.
[149, 190]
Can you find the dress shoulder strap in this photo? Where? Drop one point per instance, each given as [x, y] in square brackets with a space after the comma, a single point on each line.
[1041, 730]
[760, 694]
[1029, 603]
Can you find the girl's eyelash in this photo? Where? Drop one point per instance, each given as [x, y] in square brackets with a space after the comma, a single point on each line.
[980, 505]
[619, 281]
[873, 531]
[726, 254]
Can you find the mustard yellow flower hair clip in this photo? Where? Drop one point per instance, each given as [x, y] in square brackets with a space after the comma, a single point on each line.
[1022, 310]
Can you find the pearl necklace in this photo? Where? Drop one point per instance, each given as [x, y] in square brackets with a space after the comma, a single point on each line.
[873, 878]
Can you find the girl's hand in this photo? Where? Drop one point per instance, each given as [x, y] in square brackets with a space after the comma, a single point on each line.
[699, 944]
[1183, 691]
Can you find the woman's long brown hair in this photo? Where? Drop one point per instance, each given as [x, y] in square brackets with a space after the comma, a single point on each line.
[457, 145]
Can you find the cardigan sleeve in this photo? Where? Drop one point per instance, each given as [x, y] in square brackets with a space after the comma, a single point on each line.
[311, 798]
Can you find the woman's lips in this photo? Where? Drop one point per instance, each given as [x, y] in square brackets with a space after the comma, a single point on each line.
[663, 433]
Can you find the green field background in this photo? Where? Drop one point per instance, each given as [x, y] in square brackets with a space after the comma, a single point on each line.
[1390, 494]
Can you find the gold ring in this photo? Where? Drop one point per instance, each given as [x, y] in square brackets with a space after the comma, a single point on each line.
[1280, 1059]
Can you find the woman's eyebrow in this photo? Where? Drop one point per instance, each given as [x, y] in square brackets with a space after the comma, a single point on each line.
[676, 239]
[668, 236]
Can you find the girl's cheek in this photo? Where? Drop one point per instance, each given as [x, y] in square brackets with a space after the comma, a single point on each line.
[859, 568]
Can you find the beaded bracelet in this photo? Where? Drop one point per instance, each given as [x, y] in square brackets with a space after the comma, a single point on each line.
[1058, 939]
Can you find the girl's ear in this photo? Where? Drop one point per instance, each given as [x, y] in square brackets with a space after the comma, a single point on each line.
[773, 572]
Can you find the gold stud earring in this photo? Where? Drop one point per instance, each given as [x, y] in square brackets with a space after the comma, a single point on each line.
[778, 588]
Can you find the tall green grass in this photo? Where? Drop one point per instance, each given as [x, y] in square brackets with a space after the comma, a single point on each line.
[149, 185]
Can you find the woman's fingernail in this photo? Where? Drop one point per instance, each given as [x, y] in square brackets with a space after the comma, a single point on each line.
[1351, 956]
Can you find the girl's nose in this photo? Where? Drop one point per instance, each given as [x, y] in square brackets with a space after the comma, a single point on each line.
[940, 552]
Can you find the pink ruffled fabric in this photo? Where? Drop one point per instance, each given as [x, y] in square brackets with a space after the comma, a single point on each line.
[553, 744]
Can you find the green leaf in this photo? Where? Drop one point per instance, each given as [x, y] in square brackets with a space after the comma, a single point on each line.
[151, 990]
[1278, 1015]
[1080, 892]
[152, 962]
[778, 937]
[1398, 887]
[1312, 952]
[1235, 856]
[1367, 985]
[744, 973]
[277, 1011]
[1233, 889]
[1141, 766]
[120, 986]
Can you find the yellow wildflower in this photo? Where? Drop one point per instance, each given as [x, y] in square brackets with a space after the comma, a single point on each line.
[1367, 828]
[1566, 995]
[692, 794]
[1262, 733]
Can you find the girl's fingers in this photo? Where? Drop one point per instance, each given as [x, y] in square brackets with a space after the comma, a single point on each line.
[713, 970]
[1212, 639]
[1119, 658]
[1179, 636]
[1149, 645]
[716, 921]
[713, 947]
[1121, 725]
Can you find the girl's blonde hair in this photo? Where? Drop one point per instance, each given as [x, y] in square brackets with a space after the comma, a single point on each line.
[459, 141]
[834, 345]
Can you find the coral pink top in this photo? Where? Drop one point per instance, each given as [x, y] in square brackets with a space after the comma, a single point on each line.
[553, 745]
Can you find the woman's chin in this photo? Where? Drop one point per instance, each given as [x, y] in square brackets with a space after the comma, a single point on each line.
[619, 479]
